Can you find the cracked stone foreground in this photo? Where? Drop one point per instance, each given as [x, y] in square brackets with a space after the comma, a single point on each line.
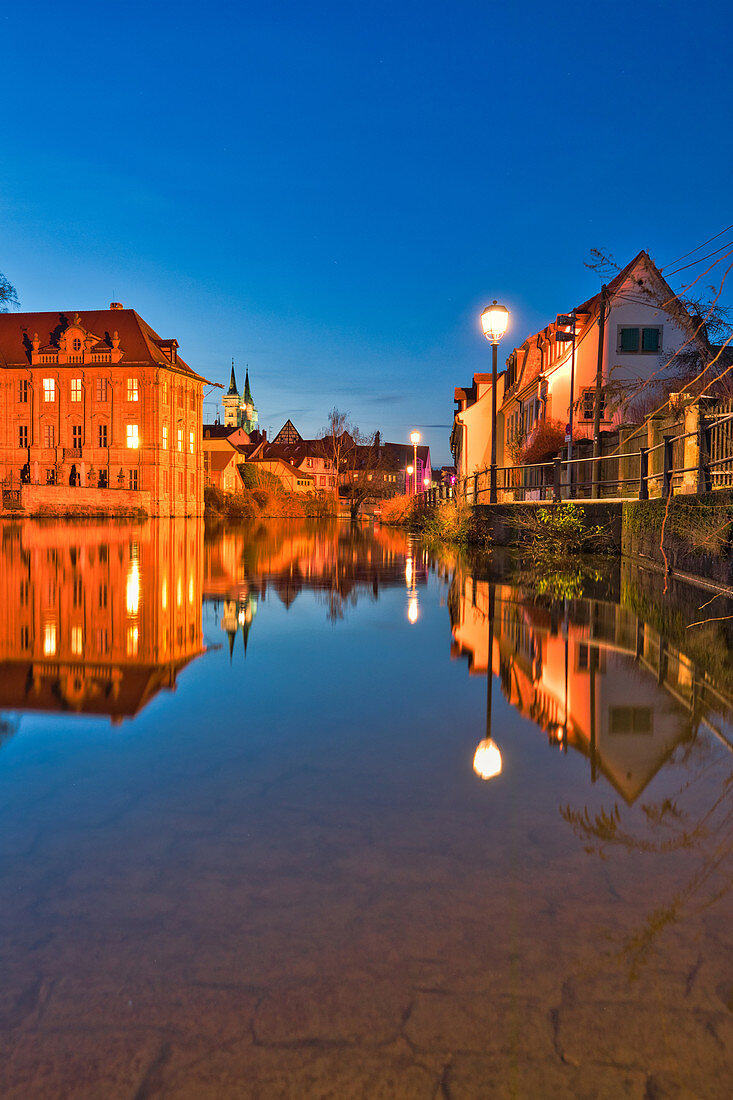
[311, 947]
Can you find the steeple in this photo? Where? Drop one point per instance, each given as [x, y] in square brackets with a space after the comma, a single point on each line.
[233, 384]
[247, 394]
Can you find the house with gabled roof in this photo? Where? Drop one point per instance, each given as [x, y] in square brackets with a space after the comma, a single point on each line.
[644, 326]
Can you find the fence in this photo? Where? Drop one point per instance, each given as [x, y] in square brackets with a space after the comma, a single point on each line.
[696, 461]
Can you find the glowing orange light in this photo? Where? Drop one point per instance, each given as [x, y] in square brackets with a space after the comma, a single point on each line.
[487, 759]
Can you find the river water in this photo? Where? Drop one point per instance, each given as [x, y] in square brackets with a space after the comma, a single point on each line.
[268, 829]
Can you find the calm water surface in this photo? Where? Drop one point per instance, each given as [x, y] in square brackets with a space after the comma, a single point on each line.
[245, 851]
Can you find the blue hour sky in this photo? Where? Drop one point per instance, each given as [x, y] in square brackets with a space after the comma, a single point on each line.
[331, 192]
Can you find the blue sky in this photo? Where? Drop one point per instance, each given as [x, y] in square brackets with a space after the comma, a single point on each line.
[331, 192]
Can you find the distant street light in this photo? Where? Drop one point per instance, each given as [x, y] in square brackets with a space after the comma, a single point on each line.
[494, 321]
[409, 474]
[415, 439]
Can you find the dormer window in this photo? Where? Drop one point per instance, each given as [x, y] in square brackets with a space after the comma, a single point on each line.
[76, 344]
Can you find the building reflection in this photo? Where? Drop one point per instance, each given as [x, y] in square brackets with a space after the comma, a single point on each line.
[98, 618]
[589, 673]
[339, 563]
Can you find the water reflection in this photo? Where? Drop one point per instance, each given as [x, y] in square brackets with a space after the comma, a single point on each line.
[291, 882]
[87, 625]
[341, 565]
[591, 674]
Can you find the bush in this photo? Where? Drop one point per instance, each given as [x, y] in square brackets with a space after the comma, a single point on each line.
[397, 510]
[448, 522]
[546, 441]
[559, 530]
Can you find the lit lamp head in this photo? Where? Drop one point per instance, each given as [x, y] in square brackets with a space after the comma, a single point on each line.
[487, 759]
[409, 470]
[494, 321]
[414, 438]
[426, 481]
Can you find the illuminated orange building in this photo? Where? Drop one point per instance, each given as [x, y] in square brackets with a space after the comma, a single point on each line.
[602, 682]
[97, 413]
[100, 622]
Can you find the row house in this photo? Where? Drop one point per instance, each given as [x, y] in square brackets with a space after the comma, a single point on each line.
[644, 326]
[96, 401]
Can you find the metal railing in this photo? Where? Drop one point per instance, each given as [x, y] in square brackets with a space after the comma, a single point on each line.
[699, 461]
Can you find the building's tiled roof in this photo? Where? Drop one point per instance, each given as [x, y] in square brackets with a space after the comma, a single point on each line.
[219, 460]
[219, 431]
[139, 343]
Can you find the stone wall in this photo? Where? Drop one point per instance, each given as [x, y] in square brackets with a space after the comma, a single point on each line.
[65, 500]
[503, 521]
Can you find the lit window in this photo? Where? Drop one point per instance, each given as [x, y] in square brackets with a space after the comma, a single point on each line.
[49, 389]
[180, 439]
[132, 592]
[49, 639]
[190, 442]
[165, 393]
[132, 641]
[76, 389]
[133, 436]
[165, 437]
[132, 389]
[76, 641]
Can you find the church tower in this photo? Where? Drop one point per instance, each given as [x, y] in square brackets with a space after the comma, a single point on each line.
[250, 416]
[231, 402]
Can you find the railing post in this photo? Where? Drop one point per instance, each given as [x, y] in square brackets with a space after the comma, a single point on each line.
[475, 488]
[643, 473]
[668, 466]
[557, 480]
[704, 480]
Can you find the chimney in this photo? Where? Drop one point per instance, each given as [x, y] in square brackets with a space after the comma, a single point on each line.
[116, 305]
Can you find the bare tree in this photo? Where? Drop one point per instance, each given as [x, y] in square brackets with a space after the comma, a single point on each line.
[356, 457]
[8, 295]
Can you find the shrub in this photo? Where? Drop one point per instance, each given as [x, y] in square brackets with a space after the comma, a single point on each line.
[559, 530]
[448, 522]
[397, 510]
[544, 443]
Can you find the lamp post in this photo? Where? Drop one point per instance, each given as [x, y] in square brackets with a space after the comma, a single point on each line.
[415, 439]
[494, 321]
[409, 475]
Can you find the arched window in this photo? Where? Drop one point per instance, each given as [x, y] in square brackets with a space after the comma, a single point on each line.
[76, 344]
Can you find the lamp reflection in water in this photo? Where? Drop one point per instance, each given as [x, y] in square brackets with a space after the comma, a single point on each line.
[413, 611]
[487, 758]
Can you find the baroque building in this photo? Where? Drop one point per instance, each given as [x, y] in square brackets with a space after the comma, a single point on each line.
[96, 402]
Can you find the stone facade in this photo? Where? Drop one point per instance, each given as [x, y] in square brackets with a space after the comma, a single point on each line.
[97, 400]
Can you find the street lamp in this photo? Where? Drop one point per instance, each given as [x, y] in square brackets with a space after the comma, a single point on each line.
[409, 474]
[415, 439]
[494, 321]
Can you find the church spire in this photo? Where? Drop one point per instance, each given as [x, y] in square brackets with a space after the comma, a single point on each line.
[233, 383]
[247, 393]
